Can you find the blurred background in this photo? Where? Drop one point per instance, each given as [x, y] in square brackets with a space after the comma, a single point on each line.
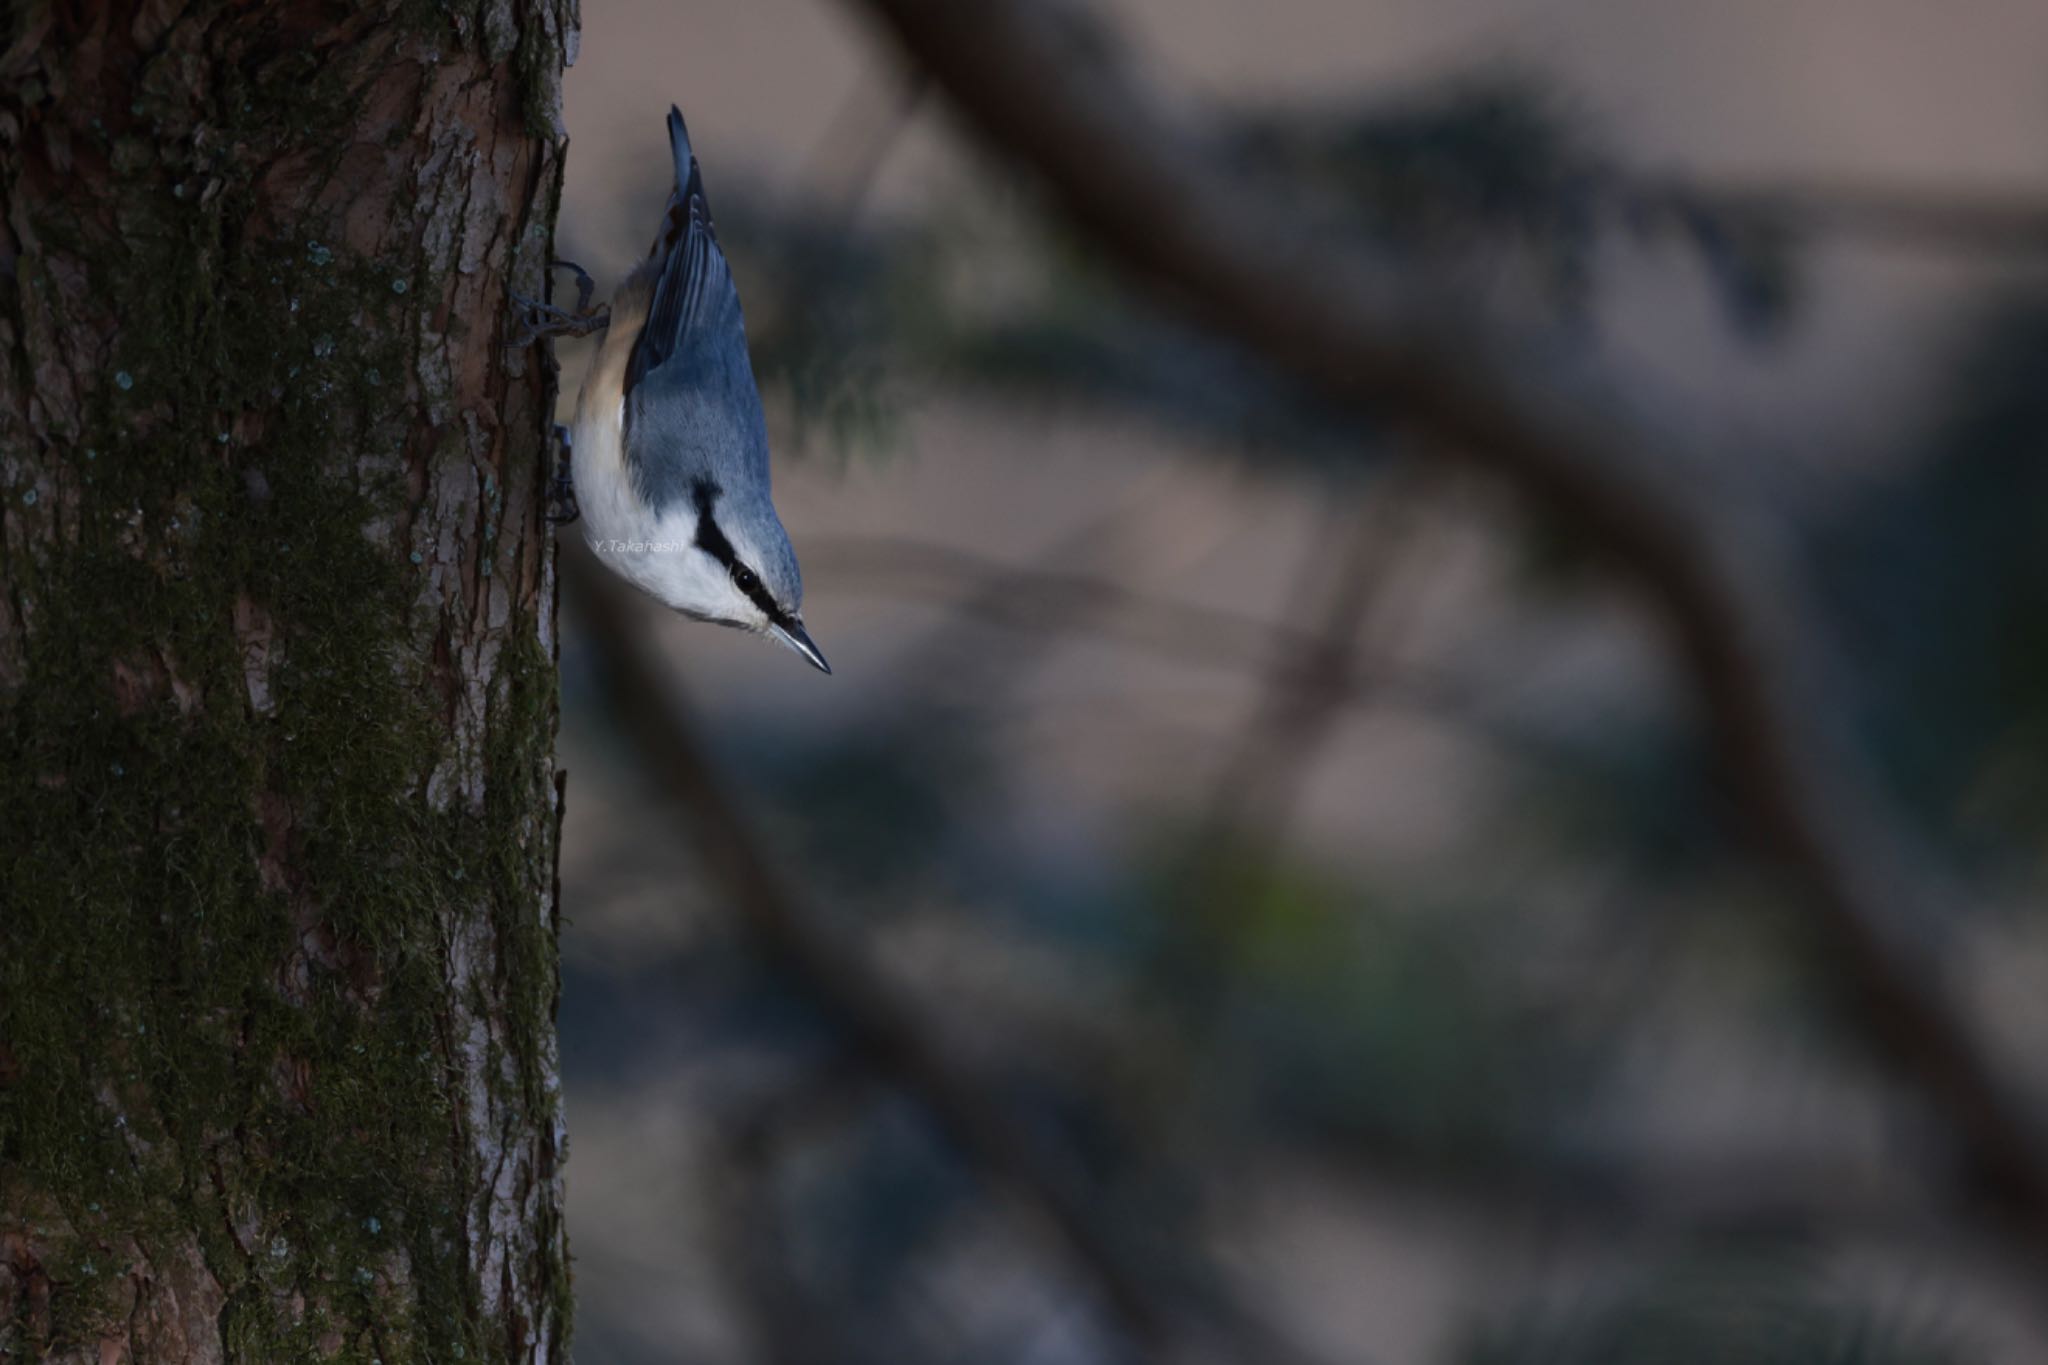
[1259, 893]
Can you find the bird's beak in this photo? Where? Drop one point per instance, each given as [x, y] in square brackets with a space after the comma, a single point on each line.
[797, 639]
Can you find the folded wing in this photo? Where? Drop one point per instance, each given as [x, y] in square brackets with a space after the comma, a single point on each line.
[695, 303]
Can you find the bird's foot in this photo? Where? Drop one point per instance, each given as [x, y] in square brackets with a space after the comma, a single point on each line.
[585, 286]
[562, 509]
[537, 320]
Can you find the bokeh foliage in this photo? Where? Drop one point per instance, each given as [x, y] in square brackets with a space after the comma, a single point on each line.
[1188, 1009]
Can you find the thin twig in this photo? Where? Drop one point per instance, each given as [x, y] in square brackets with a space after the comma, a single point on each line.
[1043, 83]
[986, 675]
[1749, 1195]
[1979, 223]
[1770, 1196]
[991, 594]
[855, 145]
[1308, 689]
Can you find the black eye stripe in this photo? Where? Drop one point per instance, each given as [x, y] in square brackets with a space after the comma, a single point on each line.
[713, 542]
[750, 584]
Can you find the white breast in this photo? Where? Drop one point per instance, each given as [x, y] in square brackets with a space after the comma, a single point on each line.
[656, 554]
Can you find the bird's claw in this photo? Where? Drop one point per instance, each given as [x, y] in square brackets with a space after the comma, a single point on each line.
[537, 319]
[585, 286]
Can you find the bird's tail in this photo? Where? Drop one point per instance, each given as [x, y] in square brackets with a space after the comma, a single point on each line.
[689, 180]
[687, 201]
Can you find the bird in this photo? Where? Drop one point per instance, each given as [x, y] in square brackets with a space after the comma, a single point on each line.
[670, 449]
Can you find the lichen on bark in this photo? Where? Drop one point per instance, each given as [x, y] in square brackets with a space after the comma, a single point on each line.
[277, 800]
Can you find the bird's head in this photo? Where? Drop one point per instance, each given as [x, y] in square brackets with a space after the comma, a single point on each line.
[740, 570]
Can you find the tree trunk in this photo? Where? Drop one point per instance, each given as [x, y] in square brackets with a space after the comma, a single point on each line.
[277, 801]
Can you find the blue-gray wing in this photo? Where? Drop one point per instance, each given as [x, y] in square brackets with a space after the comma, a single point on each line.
[693, 415]
[695, 303]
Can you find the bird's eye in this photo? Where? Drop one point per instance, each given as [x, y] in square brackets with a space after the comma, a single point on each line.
[743, 578]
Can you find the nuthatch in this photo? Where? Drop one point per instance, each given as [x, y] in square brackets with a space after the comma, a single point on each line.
[670, 449]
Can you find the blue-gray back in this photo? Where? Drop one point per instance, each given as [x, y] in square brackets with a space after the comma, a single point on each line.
[693, 413]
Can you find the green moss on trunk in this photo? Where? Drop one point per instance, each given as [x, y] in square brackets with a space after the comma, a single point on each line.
[277, 965]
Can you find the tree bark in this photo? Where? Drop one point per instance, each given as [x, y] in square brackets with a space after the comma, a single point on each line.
[278, 810]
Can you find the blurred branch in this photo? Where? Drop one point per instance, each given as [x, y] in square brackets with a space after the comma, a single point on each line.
[859, 139]
[787, 1323]
[885, 1030]
[1762, 1196]
[1980, 222]
[1045, 86]
[992, 594]
[985, 675]
[1786, 1195]
[1309, 687]
[1309, 683]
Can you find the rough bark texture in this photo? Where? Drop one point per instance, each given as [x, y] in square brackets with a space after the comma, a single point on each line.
[277, 799]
